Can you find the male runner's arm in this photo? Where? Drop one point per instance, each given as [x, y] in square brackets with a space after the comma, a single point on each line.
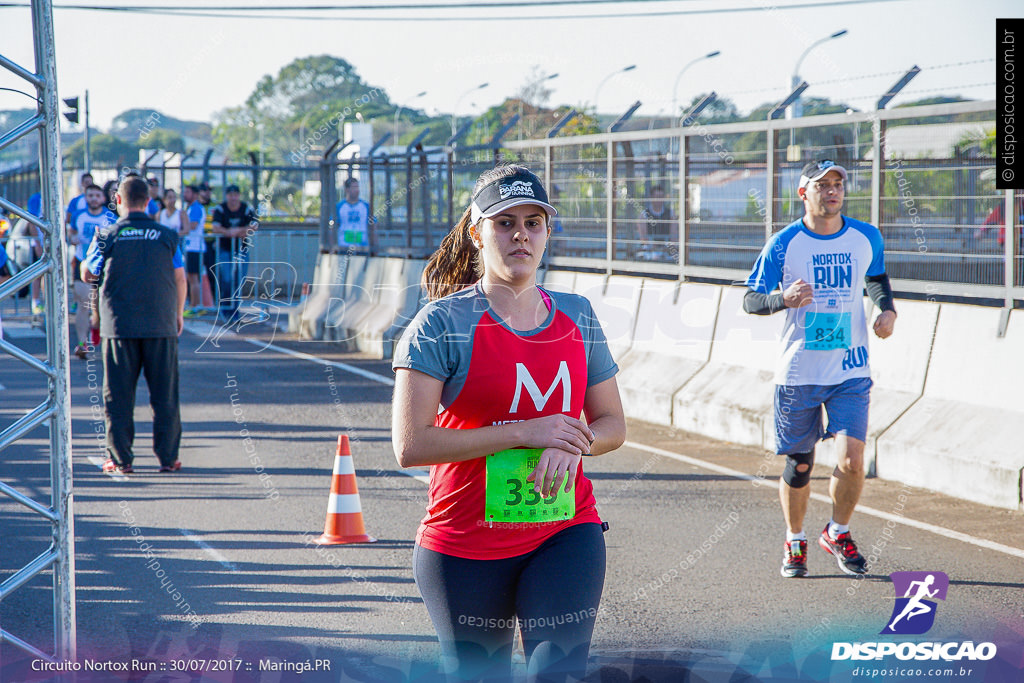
[418, 442]
[880, 291]
[798, 294]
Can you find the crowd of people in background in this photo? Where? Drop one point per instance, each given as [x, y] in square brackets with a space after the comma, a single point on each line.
[214, 240]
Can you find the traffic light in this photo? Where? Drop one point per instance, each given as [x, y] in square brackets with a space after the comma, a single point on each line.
[72, 115]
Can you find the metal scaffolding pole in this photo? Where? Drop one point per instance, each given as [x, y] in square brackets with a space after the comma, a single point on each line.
[55, 412]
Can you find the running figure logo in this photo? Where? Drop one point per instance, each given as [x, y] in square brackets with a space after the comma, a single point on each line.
[913, 614]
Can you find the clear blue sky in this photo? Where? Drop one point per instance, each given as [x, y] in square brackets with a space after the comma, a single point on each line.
[128, 60]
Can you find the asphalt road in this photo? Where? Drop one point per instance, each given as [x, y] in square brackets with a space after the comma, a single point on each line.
[214, 563]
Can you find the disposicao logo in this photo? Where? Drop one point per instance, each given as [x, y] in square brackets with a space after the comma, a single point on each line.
[914, 612]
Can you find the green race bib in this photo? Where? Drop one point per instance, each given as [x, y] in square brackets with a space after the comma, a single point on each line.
[510, 498]
[353, 237]
[826, 331]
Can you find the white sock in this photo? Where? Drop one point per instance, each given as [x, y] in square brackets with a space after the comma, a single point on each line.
[798, 536]
[835, 529]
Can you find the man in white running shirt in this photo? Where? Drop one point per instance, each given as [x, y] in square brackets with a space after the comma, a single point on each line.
[353, 217]
[822, 263]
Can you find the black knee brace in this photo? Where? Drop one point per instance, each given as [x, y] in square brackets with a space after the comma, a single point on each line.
[791, 476]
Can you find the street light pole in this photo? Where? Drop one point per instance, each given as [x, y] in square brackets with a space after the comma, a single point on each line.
[675, 87]
[797, 109]
[528, 86]
[398, 113]
[259, 127]
[455, 109]
[606, 79]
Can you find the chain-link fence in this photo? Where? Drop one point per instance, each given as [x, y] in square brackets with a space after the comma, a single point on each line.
[925, 175]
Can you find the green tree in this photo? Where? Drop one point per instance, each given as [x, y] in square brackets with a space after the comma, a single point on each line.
[299, 110]
[161, 138]
[533, 92]
[721, 110]
[132, 123]
[104, 149]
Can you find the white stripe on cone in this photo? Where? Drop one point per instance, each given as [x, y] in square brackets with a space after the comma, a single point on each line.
[343, 503]
[343, 464]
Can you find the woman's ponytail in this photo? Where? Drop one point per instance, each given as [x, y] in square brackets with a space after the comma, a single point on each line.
[456, 263]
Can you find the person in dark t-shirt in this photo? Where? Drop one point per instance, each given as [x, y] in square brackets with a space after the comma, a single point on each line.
[141, 276]
[235, 223]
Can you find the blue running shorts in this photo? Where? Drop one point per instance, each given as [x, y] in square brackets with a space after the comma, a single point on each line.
[798, 419]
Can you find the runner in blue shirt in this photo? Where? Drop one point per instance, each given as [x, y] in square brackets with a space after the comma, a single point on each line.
[84, 225]
[77, 203]
[195, 247]
[822, 262]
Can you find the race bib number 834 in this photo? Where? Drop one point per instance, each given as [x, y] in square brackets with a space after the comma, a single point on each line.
[826, 331]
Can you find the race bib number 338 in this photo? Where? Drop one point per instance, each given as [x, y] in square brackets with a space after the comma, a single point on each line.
[510, 498]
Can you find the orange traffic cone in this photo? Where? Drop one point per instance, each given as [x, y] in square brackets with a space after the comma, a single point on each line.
[344, 512]
[207, 294]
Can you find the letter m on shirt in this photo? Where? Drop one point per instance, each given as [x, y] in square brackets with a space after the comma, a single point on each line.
[525, 379]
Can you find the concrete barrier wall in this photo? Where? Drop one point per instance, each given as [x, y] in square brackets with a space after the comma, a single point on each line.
[395, 302]
[559, 280]
[352, 273]
[675, 324]
[730, 398]
[899, 366]
[307, 318]
[963, 436]
[615, 300]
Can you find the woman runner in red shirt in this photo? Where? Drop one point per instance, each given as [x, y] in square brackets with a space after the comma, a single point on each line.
[491, 381]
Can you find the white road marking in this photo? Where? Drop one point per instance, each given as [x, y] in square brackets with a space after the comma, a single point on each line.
[924, 526]
[203, 329]
[372, 376]
[209, 550]
[417, 474]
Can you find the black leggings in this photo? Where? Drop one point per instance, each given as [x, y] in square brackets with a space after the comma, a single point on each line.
[554, 591]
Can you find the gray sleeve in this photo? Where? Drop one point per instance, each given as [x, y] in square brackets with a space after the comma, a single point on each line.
[880, 291]
[759, 303]
[425, 346]
[600, 364]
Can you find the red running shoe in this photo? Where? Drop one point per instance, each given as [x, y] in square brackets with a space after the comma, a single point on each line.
[845, 551]
[110, 467]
